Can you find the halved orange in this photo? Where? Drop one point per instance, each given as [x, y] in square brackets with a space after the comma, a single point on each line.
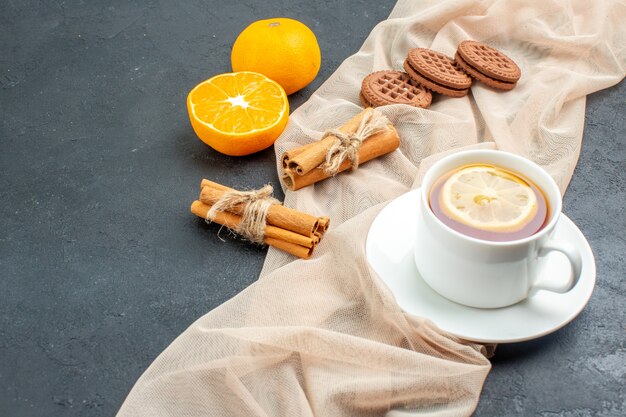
[238, 113]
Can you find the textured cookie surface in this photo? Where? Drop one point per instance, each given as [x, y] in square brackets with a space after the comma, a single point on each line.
[502, 85]
[442, 89]
[438, 68]
[393, 87]
[489, 61]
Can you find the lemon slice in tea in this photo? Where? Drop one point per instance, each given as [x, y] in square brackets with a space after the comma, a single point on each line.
[488, 198]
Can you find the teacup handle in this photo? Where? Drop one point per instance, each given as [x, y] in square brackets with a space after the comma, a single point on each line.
[575, 259]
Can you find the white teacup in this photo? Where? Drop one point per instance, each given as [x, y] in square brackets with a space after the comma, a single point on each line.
[482, 273]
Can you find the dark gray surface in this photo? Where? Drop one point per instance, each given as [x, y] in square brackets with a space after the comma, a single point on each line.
[102, 266]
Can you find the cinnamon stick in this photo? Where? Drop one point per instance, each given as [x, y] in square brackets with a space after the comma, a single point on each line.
[310, 158]
[379, 144]
[295, 250]
[323, 224]
[274, 236]
[277, 215]
[287, 156]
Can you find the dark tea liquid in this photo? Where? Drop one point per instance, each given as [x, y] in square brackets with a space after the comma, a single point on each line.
[529, 228]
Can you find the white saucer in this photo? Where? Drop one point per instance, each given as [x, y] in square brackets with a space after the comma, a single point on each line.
[389, 250]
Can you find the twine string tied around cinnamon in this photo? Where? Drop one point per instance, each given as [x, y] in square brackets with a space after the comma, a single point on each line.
[347, 145]
[254, 217]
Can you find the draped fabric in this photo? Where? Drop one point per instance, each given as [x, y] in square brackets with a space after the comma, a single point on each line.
[324, 337]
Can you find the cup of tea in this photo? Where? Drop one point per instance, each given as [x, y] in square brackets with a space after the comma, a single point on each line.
[486, 219]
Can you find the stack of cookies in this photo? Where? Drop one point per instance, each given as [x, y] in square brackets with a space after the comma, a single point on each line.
[487, 65]
[428, 70]
[437, 72]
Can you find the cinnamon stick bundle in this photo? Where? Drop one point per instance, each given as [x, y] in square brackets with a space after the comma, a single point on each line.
[278, 215]
[302, 166]
[287, 229]
[314, 154]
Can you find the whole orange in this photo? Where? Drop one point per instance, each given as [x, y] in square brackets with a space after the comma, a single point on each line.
[282, 49]
[238, 113]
